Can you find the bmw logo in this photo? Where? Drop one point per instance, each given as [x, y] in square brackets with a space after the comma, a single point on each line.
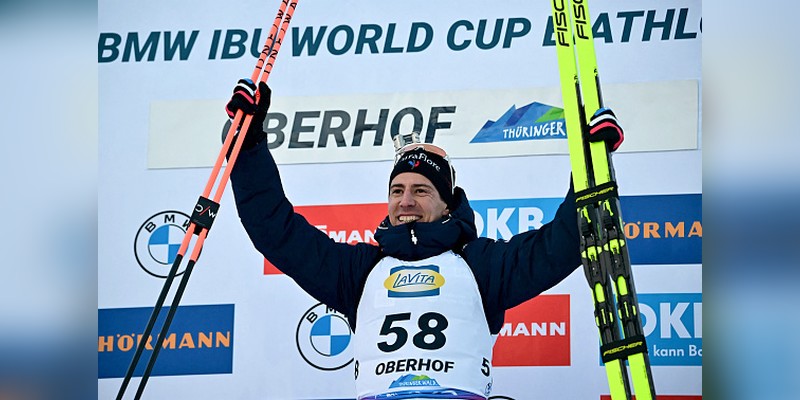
[323, 338]
[158, 240]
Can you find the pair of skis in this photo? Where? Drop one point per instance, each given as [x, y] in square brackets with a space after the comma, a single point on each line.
[604, 253]
[206, 209]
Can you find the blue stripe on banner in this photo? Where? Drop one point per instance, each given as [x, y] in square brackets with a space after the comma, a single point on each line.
[664, 229]
[661, 229]
[199, 341]
[673, 326]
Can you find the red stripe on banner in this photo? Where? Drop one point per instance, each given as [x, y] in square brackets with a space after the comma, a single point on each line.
[535, 333]
[344, 223]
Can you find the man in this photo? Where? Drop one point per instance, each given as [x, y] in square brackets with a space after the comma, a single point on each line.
[426, 302]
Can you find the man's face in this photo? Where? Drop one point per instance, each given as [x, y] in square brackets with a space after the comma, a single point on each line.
[412, 197]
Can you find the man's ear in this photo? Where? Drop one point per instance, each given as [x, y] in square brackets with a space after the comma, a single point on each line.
[445, 212]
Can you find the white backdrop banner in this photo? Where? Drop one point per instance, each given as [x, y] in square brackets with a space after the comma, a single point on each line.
[659, 116]
[350, 75]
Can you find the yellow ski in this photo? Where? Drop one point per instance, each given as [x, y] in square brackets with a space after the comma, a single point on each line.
[604, 252]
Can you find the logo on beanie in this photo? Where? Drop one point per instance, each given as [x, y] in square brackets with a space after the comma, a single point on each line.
[421, 157]
[429, 165]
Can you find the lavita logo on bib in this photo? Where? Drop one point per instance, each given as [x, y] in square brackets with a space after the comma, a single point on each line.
[410, 281]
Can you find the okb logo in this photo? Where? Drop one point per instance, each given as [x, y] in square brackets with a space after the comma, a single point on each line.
[501, 219]
[673, 327]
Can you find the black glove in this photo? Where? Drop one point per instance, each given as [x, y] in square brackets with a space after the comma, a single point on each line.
[246, 98]
[604, 127]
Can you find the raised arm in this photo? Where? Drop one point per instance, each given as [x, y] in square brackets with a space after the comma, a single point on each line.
[331, 272]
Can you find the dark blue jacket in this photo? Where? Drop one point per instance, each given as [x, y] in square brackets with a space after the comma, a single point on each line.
[507, 273]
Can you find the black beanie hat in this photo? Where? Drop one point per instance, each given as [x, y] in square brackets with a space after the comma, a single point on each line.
[432, 166]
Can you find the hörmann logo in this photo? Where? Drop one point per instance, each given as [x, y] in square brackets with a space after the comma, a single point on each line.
[344, 223]
[157, 242]
[534, 121]
[199, 341]
[535, 333]
[409, 281]
[664, 229]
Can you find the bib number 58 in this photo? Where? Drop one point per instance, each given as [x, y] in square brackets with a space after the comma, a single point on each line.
[429, 337]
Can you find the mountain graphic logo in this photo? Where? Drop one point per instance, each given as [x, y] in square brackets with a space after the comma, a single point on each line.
[535, 121]
[410, 380]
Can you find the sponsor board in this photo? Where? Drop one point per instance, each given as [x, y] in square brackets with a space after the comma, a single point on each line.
[345, 223]
[199, 340]
[501, 219]
[535, 333]
[534, 121]
[360, 127]
[673, 327]
[661, 229]
[323, 338]
[157, 241]
[664, 229]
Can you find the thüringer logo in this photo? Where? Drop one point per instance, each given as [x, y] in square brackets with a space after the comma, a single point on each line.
[323, 338]
[535, 121]
[158, 240]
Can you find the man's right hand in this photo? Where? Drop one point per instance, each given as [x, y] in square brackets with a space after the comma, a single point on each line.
[604, 127]
[251, 101]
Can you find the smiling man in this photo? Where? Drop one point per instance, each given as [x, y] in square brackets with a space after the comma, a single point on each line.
[426, 302]
[420, 185]
[413, 198]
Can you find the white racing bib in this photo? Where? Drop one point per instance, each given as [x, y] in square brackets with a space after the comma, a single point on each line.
[421, 332]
